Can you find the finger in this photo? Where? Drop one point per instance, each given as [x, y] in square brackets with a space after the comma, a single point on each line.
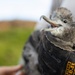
[11, 69]
[15, 68]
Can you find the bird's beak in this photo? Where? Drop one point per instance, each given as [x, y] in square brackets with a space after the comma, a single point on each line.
[53, 23]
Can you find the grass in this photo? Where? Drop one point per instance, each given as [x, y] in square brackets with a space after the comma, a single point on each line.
[11, 45]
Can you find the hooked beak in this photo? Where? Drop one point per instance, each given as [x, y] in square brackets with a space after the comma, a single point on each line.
[53, 23]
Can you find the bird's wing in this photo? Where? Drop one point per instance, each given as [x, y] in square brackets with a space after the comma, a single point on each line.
[30, 54]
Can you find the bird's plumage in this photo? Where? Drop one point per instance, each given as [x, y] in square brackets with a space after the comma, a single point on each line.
[64, 32]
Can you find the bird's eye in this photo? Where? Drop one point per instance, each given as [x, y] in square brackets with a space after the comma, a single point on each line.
[65, 21]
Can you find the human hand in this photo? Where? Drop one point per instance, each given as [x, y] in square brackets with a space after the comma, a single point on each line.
[10, 70]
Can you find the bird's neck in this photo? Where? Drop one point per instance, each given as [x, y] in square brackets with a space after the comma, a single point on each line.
[68, 34]
[62, 32]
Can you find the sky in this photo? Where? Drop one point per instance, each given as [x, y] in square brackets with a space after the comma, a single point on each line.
[23, 9]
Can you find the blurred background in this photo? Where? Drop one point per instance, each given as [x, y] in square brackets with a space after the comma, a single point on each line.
[17, 21]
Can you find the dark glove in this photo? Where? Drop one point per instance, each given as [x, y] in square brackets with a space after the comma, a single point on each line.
[54, 60]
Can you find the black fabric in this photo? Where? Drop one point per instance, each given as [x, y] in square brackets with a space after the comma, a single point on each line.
[34, 39]
[52, 59]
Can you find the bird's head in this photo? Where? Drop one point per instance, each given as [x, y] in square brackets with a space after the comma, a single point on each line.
[60, 17]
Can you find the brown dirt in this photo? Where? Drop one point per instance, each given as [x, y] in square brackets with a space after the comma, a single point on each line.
[4, 25]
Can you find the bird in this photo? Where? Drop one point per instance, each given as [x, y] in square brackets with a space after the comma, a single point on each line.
[43, 44]
[62, 28]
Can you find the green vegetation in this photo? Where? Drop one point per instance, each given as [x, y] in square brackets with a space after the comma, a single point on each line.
[11, 44]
